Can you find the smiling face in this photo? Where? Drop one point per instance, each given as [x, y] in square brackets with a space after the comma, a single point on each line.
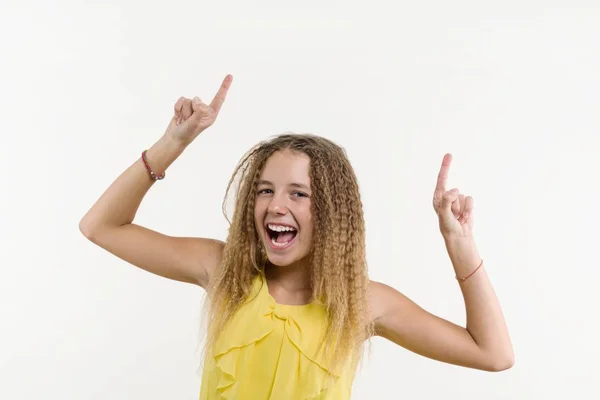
[283, 208]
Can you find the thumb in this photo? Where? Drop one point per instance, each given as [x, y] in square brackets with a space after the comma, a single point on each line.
[198, 107]
[449, 197]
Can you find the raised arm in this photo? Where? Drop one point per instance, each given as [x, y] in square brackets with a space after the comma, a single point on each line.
[109, 223]
[484, 343]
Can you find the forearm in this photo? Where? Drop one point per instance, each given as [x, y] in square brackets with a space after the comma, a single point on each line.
[119, 203]
[485, 320]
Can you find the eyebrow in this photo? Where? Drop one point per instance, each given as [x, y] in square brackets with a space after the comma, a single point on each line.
[293, 184]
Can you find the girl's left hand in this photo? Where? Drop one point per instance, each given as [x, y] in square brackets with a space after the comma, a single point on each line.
[454, 210]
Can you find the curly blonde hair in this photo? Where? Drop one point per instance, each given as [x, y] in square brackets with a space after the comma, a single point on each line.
[338, 278]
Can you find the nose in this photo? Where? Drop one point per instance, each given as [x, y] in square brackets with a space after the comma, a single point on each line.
[277, 206]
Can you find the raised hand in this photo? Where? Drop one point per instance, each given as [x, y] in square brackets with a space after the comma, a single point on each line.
[454, 210]
[192, 116]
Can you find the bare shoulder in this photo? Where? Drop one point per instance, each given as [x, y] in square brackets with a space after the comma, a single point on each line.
[207, 254]
[378, 297]
[385, 301]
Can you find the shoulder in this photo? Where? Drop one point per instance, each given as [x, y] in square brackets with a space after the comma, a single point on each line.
[208, 254]
[385, 301]
[379, 292]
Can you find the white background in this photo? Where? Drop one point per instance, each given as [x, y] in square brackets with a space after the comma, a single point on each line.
[510, 89]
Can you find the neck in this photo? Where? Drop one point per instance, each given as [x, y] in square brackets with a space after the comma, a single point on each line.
[292, 278]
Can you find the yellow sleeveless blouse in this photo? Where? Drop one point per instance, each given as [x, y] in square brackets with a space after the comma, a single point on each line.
[271, 351]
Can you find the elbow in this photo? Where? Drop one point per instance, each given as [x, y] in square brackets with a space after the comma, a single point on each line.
[85, 229]
[502, 363]
[93, 231]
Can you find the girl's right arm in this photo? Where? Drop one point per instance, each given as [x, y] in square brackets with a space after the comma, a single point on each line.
[109, 223]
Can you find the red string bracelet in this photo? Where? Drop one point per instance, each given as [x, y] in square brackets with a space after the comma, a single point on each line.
[468, 276]
[152, 174]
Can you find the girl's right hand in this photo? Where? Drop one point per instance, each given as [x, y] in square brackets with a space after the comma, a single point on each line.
[191, 117]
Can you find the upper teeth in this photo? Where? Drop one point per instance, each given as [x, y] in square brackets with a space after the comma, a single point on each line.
[280, 228]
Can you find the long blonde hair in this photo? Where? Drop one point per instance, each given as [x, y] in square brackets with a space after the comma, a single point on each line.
[339, 278]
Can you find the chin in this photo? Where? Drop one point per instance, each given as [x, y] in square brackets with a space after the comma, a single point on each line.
[284, 258]
[281, 260]
[278, 263]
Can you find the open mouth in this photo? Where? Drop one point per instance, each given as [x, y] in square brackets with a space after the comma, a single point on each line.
[280, 236]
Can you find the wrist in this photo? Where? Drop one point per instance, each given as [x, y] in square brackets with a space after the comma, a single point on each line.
[463, 254]
[172, 144]
[458, 241]
[163, 153]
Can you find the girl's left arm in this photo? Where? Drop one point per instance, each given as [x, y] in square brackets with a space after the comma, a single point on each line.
[484, 343]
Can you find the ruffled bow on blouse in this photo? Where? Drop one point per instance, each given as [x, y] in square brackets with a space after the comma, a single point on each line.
[271, 351]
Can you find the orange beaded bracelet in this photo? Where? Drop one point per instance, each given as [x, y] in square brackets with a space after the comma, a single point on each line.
[152, 174]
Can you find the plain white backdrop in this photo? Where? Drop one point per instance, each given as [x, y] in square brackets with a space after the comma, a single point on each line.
[510, 89]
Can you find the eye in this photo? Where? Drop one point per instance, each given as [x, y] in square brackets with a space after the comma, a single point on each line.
[299, 194]
[265, 191]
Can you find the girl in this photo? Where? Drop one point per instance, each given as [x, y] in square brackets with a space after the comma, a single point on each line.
[290, 304]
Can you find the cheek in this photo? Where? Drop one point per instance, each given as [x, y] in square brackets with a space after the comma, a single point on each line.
[259, 210]
[259, 217]
[308, 226]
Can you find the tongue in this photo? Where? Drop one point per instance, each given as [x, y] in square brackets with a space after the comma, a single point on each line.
[285, 237]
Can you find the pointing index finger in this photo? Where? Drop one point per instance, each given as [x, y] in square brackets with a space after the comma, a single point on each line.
[221, 94]
[440, 187]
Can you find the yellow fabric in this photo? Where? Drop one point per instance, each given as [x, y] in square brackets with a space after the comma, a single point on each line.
[271, 351]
